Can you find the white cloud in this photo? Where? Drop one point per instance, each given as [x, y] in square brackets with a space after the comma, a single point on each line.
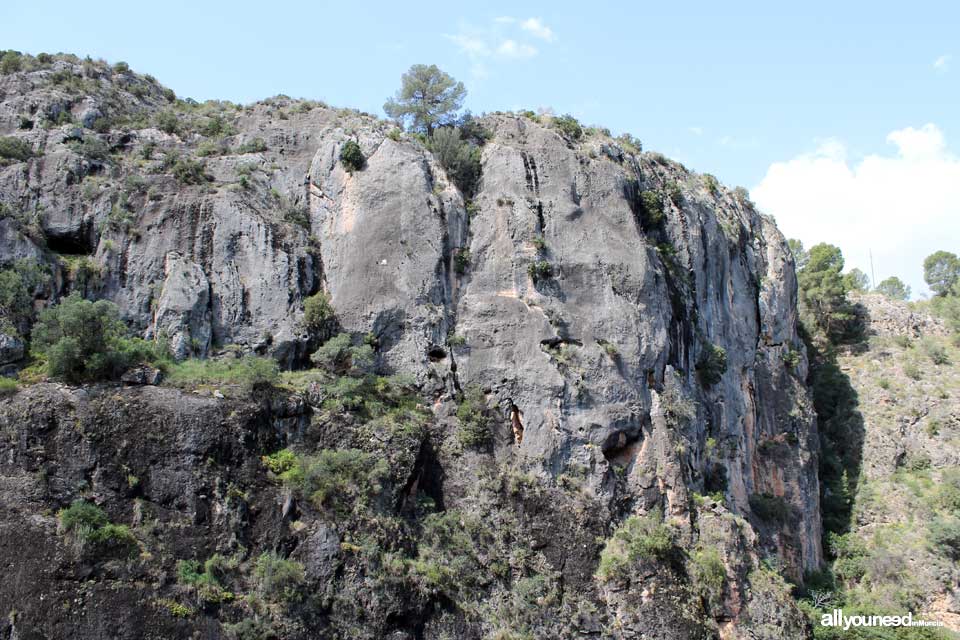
[472, 45]
[902, 206]
[942, 64]
[503, 38]
[513, 49]
[536, 27]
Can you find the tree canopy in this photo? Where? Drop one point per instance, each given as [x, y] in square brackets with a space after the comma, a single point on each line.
[941, 270]
[894, 288]
[427, 98]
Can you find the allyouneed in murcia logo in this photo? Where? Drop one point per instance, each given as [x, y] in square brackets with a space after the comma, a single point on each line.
[837, 619]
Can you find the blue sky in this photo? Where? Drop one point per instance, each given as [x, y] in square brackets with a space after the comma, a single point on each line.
[736, 89]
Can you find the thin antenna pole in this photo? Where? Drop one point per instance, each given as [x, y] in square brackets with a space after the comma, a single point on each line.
[873, 278]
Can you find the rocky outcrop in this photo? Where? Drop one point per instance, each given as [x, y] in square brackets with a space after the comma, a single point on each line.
[659, 361]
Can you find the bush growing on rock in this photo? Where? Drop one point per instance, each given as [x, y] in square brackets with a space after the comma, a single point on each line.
[344, 481]
[318, 313]
[638, 538]
[86, 341]
[459, 158]
[894, 288]
[474, 431]
[248, 373]
[352, 156]
[712, 364]
[14, 149]
[340, 355]
[568, 126]
[90, 529]
[189, 171]
[770, 508]
[279, 579]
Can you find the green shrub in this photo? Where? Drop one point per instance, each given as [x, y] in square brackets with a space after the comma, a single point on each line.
[944, 536]
[770, 508]
[280, 461]
[8, 386]
[539, 270]
[708, 574]
[121, 67]
[343, 481]
[86, 341]
[568, 126]
[912, 371]
[936, 352]
[638, 538]
[318, 313]
[652, 204]
[791, 358]
[15, 149]
[168, 122]
[711, 184]
[339, 354]
[257, 145]
[249, 373]
[11, 62]
[17, 287]
[352, 156]
[189, 171]
[279, 579]
[82, 514]
[474, 431]
[458, 157]
[461, 260]
[712, 364]
[89, 526]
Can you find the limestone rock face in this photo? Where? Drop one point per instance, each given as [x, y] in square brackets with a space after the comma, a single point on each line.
[656, 359]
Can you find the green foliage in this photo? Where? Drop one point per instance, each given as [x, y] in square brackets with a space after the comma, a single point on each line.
[894, 288]
[475, 428]
[712, 364]
[280, 461]
[461, 260]
[944, 536]
[82, 514]
[458, 157]
[257, 145]
[92, 148]
[343, 481]
[708, 574]
[351, 156]
[89, 526]
[936, 352]
[711, 184]
[249, 373]
[800, 255]
[856, 280]
[823, 290]
[941, 271]
[652, 204]
[10, 62]
[206, 580]
[189, 171]
[539, 270]
[340, 355]
[427, 98]
[568, 126]
[318, 313]
[638, 538]
[791, 358]
[8, 386]
[86, 341]
[15, 149]
[279, 579]
[770, 508]
[18, 284]
[447, 559]
[168, 122]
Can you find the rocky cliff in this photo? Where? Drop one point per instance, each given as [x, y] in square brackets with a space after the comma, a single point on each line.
[631, 327]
